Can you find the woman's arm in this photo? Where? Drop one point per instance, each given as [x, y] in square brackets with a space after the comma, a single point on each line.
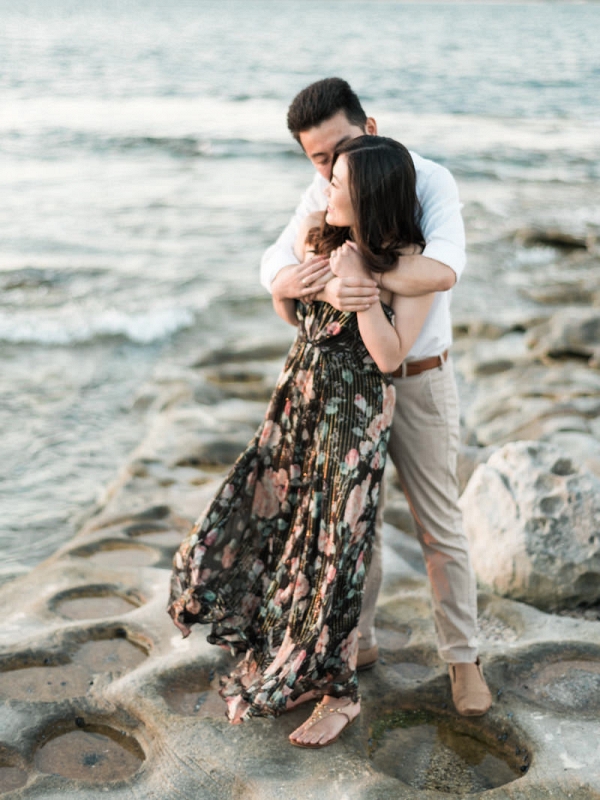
[387, 344]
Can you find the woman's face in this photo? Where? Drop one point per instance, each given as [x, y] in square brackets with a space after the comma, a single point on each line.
[339, 213]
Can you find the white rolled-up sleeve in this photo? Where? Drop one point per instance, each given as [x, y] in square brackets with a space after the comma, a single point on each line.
[441, 221]
[281, 253]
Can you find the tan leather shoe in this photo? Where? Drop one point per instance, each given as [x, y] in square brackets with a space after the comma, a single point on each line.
[470, 692]
[367, 658]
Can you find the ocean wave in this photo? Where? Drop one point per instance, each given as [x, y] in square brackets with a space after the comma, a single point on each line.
[54, 142]
[75, 326]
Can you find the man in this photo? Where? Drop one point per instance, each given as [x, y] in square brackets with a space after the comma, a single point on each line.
[425, 431]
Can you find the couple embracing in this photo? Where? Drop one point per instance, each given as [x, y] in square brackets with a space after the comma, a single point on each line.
[285, 563]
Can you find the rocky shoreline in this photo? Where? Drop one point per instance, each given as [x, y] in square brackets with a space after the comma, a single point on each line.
[101, 696]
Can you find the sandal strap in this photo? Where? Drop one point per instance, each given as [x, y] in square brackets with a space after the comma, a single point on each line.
[322, 709]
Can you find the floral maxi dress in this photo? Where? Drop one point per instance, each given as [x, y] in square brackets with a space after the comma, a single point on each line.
[276, 563]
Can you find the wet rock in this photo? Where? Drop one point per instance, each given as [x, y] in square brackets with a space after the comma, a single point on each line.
[533, 401]
[583, 448]
[491, 357]
[563, 293]
[469, 458]
[244, 352]
[555, 238]
[533, 520]
[102, 697]
[571, 332]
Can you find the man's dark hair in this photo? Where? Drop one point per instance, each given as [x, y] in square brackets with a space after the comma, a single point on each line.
[320, 101]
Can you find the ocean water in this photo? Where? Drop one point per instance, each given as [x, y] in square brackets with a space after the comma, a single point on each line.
[145, 165]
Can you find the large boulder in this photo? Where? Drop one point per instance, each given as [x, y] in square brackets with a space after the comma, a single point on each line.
[532, 517]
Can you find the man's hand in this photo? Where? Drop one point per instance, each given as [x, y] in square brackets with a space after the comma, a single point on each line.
[351, 294]
[298, 281]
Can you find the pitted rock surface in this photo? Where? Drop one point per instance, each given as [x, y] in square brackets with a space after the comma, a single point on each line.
[109, 701]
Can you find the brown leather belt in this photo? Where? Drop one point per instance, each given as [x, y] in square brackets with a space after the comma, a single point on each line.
[409, 368]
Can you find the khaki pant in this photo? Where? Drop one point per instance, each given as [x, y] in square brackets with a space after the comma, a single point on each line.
[423, 447]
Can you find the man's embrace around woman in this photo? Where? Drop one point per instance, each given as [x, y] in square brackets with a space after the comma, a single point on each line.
[277, 562]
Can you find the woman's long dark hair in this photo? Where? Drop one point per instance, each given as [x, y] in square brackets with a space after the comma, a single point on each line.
[382, 183]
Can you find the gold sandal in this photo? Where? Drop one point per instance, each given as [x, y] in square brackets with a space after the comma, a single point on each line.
[320, 712]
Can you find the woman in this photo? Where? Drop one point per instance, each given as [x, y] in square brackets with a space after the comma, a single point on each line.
[277, 562]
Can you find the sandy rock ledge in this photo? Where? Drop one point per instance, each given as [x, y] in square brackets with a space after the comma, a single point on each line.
[101, 697]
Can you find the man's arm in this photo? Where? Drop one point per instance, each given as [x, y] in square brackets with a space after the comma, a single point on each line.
[281, 254]
[417, 275]
[286, 309]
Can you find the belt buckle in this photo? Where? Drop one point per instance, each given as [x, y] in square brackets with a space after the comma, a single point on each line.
[403, 369]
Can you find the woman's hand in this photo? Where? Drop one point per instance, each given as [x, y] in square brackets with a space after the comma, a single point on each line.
[346, 262]
[350, 294]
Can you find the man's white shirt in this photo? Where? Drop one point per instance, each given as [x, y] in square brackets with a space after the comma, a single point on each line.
[443, 229]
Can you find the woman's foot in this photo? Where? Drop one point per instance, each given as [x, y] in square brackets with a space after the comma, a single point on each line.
[326, 723]
[313, 694]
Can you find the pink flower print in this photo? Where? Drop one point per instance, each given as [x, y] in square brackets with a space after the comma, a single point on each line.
[228, 557]
[287, 409]
[376, 460]
[358, 532]
[349, 651]
[282, 596]
[283, 653]
[295, 472]
[298, 661]
[359, 563]
[333, 328]
[323, 589]
[280, 483]
[270, 435]
[376, 427]
[360, 401]
[331, 573]
[289, 546]
[330, 547]
[227, 492]
[302, 586]
[356, 502]
[389, 403]
[266, 503]
[304, 382]
[210, 538]
[323, 640]
[352, 458]
[326, 540]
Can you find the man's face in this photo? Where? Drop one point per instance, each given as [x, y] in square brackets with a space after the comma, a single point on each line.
[319, 143]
